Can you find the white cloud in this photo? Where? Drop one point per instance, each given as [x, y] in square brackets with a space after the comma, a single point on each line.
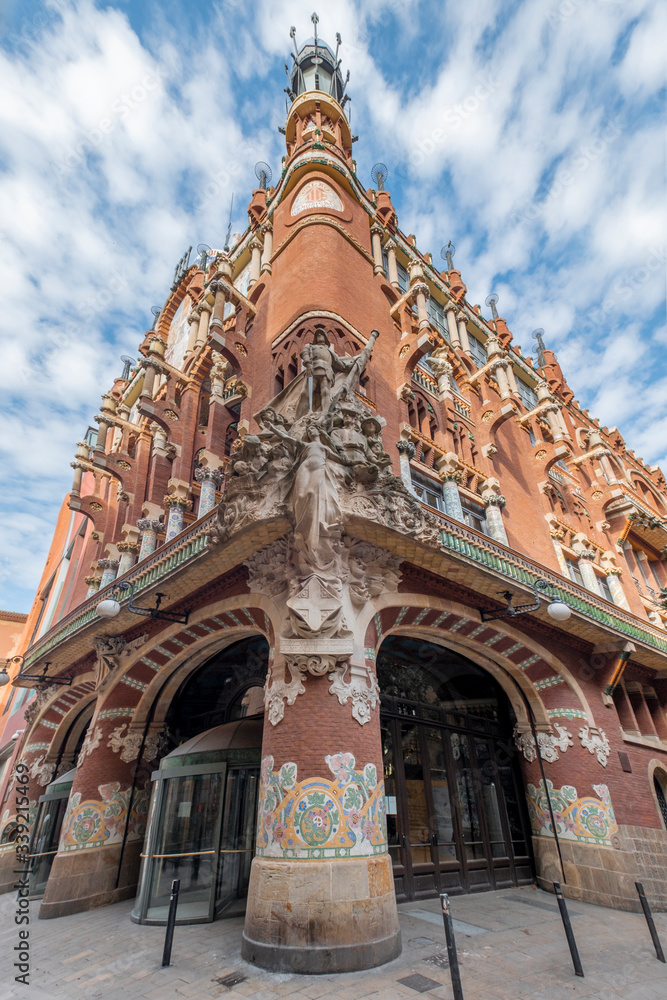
[118, 151]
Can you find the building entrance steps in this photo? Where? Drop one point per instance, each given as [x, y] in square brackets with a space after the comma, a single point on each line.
[511, 946]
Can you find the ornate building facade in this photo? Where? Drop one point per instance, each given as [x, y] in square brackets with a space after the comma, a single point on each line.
[352, 602]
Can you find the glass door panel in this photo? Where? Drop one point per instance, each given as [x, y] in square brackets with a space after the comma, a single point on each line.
[491, 805]
[236, 839]
[473, 840]
[185, 846]
[48, 824]
[390, 769]
[418, 813]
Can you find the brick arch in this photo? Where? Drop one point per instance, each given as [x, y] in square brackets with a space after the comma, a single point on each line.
[552, 691]
[136, 690]
[420, 417]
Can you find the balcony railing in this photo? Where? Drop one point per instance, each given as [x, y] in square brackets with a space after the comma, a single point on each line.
[457, 539]
[183, 549]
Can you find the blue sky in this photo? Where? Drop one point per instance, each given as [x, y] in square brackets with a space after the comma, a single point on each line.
[529, 133]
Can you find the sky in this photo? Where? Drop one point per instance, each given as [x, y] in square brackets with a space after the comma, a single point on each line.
[531, 133]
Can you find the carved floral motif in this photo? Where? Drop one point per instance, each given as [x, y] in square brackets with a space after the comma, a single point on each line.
[548, 743]
[596, 743]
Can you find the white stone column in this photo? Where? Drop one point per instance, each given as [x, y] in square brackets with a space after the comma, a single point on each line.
[390, 247]
[376, 243]
[255, 261]
[422, 292]
[463, 333]
[109, 569]
[219, 289]
[406, 451]
[557, 535]
[442, 370]
[499, 370]
[454, 337]
[193, 320]
[210, 480]
[267, 251]
[149, 528]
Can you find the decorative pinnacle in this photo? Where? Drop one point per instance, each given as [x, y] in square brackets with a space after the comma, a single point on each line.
[491, 300]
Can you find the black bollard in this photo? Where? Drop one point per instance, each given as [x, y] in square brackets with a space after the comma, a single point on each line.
[451, 947]
[576, 961]
[171, 922]
[649, 920]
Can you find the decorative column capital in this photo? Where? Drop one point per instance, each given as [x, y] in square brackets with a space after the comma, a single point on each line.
[128, 547]
[152, 362]
[613, 571]
[172, 501]
[376, 229]
[450, 469]
[420, 287]
[108, 563]
[150, 524]
[406, 448]
[496, 500]
[266, 227]
[390, 246]
[461, 317]
[586, 554]
[255, 244]
[92, 582]
[202, 472]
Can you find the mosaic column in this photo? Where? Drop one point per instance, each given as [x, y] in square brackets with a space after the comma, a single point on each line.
[93, 585]
[618, 594]
[557, 535]
[406, 451]
[109, 571]
[321, 897]
[588, 575]
[449, 469]
[149, 528]
[103, 829]
[176, 507]
[210, 480]
[494, 518]
[128, 554]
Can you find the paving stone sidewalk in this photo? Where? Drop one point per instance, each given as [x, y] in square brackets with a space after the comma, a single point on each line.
[511, 947]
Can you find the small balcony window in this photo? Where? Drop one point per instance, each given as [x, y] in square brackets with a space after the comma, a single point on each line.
[575, 572]
[478, 351]
[475, 518]
[527, 393]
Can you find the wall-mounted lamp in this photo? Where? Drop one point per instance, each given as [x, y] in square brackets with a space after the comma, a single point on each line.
[110, 607]
[556, 609]
[36, 678]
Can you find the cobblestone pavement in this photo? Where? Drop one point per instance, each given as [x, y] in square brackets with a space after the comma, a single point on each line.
[511, 947]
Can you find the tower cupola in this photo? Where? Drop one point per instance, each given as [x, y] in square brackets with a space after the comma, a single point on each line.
[316, 67]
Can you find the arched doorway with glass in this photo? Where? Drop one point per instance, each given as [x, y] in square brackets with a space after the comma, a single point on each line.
[456, 814]
[202, 816]
[52, 805]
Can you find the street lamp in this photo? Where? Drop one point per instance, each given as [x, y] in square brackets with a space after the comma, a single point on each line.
[110, 607]
[556, 609]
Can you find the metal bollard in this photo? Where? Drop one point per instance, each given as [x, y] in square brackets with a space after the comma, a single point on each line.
[576, 961]
[649, 920]
[171, 922]
[451, 947]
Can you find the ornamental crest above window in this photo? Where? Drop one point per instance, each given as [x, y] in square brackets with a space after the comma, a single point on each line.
[316, 194]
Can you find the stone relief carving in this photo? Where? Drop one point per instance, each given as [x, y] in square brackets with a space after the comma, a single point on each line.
[596, 743]
[129, 744]
[42, 771]
[112, 652]
[548, 743]
[38, 703]
[90, 743]
[317, 460]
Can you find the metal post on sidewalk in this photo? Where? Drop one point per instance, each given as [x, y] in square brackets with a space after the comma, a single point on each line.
[649, 920]
[576, 961]
[171, 922]
[451, 947]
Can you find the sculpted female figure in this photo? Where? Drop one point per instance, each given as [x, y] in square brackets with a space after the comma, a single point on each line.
[314, 495]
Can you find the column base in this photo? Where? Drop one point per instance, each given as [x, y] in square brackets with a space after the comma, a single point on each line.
[317, 917]
[84, 880]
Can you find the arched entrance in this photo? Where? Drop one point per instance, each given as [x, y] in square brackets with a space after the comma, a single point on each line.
[202, 817]
[456, 815]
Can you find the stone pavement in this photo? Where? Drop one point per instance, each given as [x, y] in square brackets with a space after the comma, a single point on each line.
[511, 947]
